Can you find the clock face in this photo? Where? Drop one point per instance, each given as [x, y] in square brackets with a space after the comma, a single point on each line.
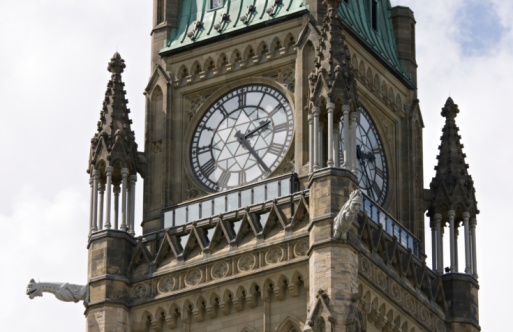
[242, 137]
[371, 162]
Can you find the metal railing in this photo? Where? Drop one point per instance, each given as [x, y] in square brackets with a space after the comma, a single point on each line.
[391, 226]
[230, 200]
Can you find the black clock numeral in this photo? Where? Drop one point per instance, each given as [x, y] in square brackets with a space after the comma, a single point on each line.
[202, 126]
[242, 99]
[205, 148]
[376, 189]
[242, 178]
[208, 167]
[380, 172]
[281, 127]
[276, 148]
[223, 179]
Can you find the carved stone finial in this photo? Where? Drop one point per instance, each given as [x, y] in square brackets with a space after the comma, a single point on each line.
[346, 216]
[116, 64]
[62, 291]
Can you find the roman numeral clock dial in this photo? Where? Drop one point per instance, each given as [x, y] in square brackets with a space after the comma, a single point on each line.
[242, 137]
[371, 162]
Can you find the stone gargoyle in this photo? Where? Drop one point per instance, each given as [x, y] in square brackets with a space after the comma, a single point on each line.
[346, 216]
[62, 291]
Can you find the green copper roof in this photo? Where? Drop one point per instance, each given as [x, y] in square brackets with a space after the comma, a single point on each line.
[232, 16]
[356, 15]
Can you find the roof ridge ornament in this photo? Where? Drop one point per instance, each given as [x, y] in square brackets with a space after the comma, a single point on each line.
[219, 26]
[197, 26]
[272, 10]
[245, 18]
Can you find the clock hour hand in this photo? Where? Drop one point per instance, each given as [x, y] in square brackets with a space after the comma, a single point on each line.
[262, 125]
[241, 138]
[361, 156]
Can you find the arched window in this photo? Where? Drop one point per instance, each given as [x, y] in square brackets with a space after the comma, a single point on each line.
[160, 11]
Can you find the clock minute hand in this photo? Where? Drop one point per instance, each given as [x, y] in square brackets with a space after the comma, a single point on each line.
[262, 125]
[242, 140]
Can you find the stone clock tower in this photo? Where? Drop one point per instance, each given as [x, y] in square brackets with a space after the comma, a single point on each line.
[283, 179]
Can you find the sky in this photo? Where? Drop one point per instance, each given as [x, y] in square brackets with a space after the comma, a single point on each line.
[53, 60]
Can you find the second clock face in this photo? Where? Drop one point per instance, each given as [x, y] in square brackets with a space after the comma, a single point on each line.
[242, 137]
[371, 162]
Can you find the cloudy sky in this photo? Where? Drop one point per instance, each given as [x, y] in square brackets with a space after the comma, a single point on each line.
[53, 59]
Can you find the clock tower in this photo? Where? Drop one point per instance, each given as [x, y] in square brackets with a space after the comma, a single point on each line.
[283, 178]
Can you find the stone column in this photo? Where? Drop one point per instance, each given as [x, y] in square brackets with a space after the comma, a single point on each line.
[101, 192]
[108, 189]
[466, 230]
[439, 242]
[133, 179]
[336, 146]
[347, 135]
[124, 175]
[116, 192]
[433, 245]
[311, 142]
[452, 239]
[473, 224]
[330, 162]
[91, 204]
[354, 167]
[315, 112]
[96, 175]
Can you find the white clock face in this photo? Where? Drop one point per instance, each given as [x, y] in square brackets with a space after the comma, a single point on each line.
[242, 137]
[371, 162]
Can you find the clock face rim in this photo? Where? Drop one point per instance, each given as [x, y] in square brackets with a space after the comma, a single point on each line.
[205, 112]
[385, 189]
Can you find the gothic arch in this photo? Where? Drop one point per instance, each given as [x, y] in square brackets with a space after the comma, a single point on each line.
[182, 75]
[209, 67]
[276, 47]
[262, 51]
[249, 53]
[195, 71]
[289, 43]
[235, 59]
[222, 62]
[290, 324]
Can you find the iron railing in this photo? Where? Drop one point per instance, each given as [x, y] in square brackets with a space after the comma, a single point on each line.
[230, 200]
[391, 226]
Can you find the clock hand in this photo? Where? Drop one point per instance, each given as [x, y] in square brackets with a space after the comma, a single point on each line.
[242, 140]
[262, 125]
[360, 156]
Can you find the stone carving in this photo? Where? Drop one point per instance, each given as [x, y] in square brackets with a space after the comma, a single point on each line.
[193, 277]
[166, 284]
[346, 216]
[139, 291]
[355, 321]
[220, 270]
[246, 263]
[381, 280]
[366, 267]
[301, 248]
[62, 291]
[274, 255]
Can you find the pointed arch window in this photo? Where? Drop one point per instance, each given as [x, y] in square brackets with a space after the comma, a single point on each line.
[160, 11]
[374, 14]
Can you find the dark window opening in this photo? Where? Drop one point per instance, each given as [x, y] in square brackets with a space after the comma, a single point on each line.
[160, 11]
[374, 14]
[216, 4]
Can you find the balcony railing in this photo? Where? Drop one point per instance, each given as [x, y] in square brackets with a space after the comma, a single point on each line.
[230, 200]
[391, 226]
